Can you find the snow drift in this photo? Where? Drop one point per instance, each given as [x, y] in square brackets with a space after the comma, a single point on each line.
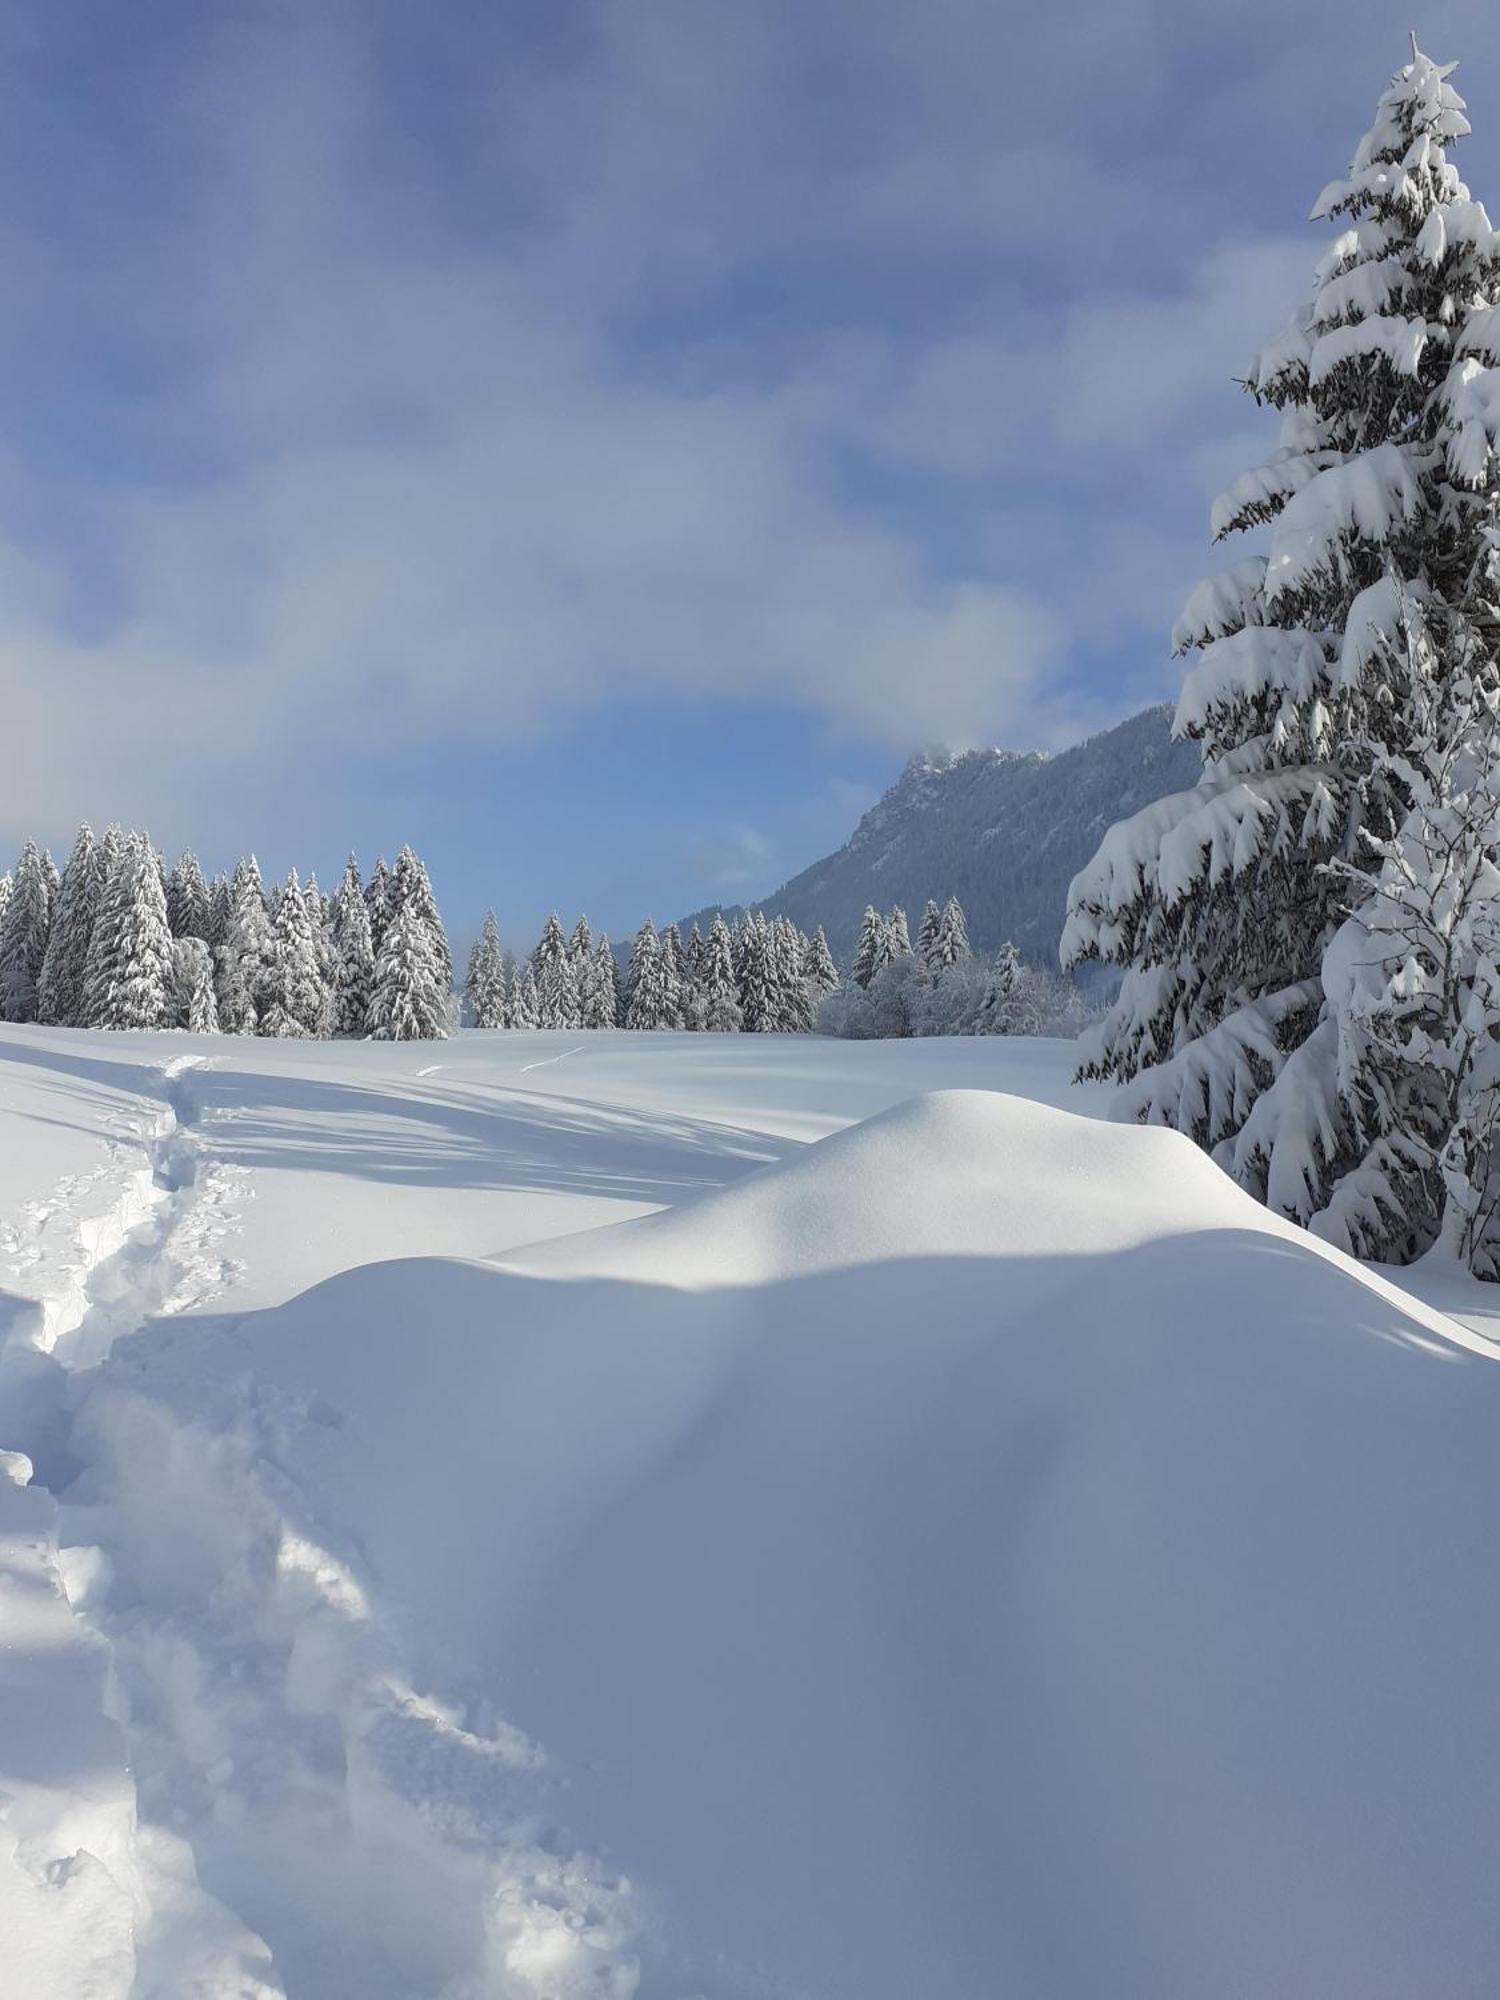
[982, 1553]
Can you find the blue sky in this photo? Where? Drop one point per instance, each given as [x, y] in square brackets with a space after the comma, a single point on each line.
[597, 441]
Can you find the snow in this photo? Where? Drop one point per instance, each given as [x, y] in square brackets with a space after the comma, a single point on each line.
[1398, 341]
[1253, 664]
[1221, 604]
[726, 1516]
[1364, 499]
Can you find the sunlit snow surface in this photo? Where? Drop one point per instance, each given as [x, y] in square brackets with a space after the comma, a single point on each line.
[551, 1516]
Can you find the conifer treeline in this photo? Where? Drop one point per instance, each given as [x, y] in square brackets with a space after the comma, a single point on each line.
[763, 976]
[117, 942]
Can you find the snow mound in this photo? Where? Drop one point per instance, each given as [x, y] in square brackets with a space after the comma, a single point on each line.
[951, 1173]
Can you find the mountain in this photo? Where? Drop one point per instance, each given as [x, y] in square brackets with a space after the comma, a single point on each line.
[1003, 830]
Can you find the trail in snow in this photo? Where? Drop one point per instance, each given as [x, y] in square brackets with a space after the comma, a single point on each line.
[94, 1899]
[377, 1838]
[172, 1260]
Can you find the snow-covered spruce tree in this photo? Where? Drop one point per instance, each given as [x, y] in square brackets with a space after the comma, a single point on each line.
[378, 901]
[648, 1003]
[556, 983]
[675, 978]
[7, 883]
[484, 987]
[191, 1003]
[818, 968]
[594, 986]
[867, 952]
[320, 918]
[60, 986]
[218, 911]
[24, 930]
[794, 1004]
[603, 1006]
[410, 884]
[354, 953]
[952, 942]
[293, 998]
[756, 993]
[243, 960]
[187, 898]
[128, 978]
[523, 1002]
[927, 934]
[692, 953]
[580, 946]
[410, 1001]
[717, 984]
[895, 938]
[1222, 903]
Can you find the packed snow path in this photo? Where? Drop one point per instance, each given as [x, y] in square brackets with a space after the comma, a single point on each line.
[933, 1543]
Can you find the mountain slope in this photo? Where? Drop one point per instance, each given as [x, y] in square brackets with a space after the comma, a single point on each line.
[1003, 831]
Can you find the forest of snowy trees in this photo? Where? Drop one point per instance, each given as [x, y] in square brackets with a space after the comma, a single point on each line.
[1310, 937]
[115, 941]
[765, 976]
[118, 941]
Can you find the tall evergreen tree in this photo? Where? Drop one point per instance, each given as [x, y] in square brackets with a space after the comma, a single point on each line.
[927, 935]
[52, 878]
[1227, 905]
[556, 984]
[648, 1003]
[128, 977]
[293, 998]
[721, 1000]
[895, 938]
[792, 1007]
[952, 941]
[24, 931]
[187, 898]
[868, 952]
[325, 951]
[484, 989]
[675, 979]
[693, 953]
[580, 946]
[218, 911]
[191, 1003]
[354, 980]
[60, 986]
[378, 901]
[601, 1006]
[243, 960]
[410, 1002]
[756, 991]
[523, 1000]
[818, 968]
[410, 884]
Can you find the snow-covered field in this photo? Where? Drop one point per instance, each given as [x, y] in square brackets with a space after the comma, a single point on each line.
[716, 1518]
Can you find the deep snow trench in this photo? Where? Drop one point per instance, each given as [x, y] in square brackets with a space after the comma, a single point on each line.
[925, 1541]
